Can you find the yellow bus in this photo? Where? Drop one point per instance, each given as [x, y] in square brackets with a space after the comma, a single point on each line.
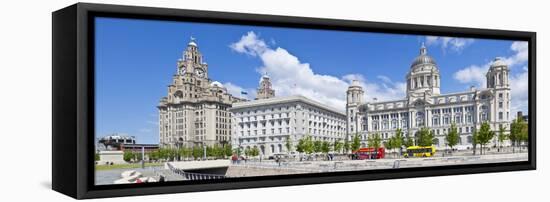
[419, 151]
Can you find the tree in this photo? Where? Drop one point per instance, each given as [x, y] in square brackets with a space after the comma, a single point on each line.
[338, 145]
[519, 132]
[305, 145]
[317, 146]
[184, 152]
[484, 136]
[325, 147]
[346, 146]
[452, 137]
[524, 135]
[227, 150]
[356, 143]
[301, 145]
[409, 141]
[474, 140]
[389, 144]
[425, 137]
[255, 151]
[96, 156]
[398, 140]
[501, 136]
[288, 144]
[198, 152]
[374, 140]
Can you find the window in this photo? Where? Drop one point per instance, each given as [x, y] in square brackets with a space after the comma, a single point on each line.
[435, 121]
[500, 105]
[500, 116]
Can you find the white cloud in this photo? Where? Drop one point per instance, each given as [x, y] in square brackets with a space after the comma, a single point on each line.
[475, 75]
[519, 87]
[290, 76]
[384, 78]
[250, 44]
[521, 53]
[455, 44]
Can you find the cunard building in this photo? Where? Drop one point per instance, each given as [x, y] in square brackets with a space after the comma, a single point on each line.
[425, 106]
[194, 112]
[268, 122]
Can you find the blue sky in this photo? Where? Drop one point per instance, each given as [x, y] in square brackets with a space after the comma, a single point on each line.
[135, 61]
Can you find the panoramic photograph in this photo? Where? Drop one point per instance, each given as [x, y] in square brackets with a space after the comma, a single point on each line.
[184, 101]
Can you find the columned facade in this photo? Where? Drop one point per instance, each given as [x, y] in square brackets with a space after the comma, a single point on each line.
[267, 124]
[425, 106]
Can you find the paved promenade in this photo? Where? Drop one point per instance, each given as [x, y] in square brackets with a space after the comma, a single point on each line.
[256, 168]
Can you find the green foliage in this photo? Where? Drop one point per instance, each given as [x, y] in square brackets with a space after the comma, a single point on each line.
[288, 143]
[227, 150]
[424, 137]
[347, 146]
[452, 136]
[484, 136]
[255, 151]
[96, 156]
[356, 143]
[128, 156]
[325, 147]
[305, 145]
[519, 131]
[197, 152]
[409, 141]
[308, 144]
[501, 135]
[184, 152]
[374, 140]
[398, 140]
[338, 145]
[317, 146]
[389, 144]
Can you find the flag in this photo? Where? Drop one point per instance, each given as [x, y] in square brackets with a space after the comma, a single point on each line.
[244, 93]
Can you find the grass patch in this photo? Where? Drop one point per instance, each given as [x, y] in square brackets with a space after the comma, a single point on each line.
[125, 166]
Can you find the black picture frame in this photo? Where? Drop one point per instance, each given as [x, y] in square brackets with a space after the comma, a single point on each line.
[73, 100]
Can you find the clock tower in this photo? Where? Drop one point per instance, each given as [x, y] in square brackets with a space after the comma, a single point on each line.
[195, 110]
[192, 61]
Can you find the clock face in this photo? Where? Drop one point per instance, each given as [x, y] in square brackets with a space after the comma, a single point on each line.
[182, 70]
[199, 72]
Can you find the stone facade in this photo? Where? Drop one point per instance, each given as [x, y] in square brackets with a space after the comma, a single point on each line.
[424, 106]
[264, 90]
[268, 123]
[195, 110]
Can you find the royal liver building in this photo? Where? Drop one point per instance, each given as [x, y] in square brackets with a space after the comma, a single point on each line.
[195, 110]
[425, 106]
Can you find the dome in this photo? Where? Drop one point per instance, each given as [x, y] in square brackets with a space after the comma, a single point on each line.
[498, 62]
[216, 84]
[192, 42]
[355, 83]
[423, 58]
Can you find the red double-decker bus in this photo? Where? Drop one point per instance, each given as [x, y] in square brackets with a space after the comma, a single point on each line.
[369, 153]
